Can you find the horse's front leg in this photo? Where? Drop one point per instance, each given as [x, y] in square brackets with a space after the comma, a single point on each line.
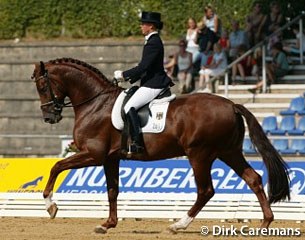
[111, 169]
[78, 160]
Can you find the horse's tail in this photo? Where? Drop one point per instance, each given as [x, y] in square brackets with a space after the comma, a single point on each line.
[278, 178]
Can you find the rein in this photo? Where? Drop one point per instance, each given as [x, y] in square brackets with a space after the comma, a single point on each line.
[69, 104]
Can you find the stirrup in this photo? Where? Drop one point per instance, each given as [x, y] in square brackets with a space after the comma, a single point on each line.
[135, 148]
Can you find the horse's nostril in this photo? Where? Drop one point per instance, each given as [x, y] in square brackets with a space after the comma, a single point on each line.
[47, 120]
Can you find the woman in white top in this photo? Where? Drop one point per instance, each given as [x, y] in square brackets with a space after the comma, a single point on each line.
[210, 19]
[191, 36]
[215, 68]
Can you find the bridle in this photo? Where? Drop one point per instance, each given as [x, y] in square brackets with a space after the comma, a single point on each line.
[59, 104]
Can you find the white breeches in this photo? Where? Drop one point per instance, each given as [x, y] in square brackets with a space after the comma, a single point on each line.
[141, 97]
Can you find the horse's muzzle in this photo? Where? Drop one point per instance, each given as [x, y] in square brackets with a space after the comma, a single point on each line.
[51, 118]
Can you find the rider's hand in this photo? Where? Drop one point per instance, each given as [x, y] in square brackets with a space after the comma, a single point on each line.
[118, 74]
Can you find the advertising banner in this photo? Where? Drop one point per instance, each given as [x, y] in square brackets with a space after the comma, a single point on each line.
[174, 175]
[26, 174]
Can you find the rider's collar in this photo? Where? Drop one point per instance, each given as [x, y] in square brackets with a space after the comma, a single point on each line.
[149, 35]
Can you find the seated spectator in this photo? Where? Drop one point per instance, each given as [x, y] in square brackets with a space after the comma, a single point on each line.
[257, 63]
[183, 61]
[243, 67]
[278, 37]
[295, 48]
[210, 19]
[205, 39]
[170, 66]
[254, 24]
[236, 38]
[217, 67]
[224, 41]
[277, 69]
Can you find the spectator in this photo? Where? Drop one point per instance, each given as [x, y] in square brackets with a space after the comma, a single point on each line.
[295, 48]
[224, 41]
[205, 39]
[191, 36]
[236, 39]
[183, 60]
[170, 66]
[255, 22]
[257, 63]
[215, 68]
[274, 20]
[211, 20]
[273, 40]
[243, 67]
[277, 69]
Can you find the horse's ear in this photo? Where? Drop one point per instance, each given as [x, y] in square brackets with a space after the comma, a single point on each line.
[42, 67]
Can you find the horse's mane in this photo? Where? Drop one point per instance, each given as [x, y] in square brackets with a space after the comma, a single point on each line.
[81, 63]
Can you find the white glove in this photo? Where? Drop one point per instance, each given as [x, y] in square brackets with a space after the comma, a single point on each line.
[118, 74]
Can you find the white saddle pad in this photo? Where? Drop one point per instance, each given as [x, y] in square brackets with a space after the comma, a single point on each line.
[156, 122]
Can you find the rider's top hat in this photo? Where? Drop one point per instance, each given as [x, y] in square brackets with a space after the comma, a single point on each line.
[152, 17]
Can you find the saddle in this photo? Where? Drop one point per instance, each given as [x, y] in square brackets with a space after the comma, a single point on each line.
[152, 116]
[144, 112]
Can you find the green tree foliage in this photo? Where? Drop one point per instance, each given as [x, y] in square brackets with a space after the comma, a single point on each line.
[115, 18]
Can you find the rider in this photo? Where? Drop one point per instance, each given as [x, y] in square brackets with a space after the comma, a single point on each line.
[150, 72]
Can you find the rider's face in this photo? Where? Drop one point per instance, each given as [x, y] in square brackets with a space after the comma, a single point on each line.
[146, 28]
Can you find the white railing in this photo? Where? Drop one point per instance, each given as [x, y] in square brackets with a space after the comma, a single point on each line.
[149, 205]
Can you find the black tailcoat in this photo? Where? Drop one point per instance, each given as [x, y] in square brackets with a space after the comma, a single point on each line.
[150, 70]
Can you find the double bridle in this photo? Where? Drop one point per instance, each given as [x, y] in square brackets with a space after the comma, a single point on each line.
[59, 104]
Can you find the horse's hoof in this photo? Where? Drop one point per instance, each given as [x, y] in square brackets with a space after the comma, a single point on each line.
[172, 229]
[100, 229]
[52, 210]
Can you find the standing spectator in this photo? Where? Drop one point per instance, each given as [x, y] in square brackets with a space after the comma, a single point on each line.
[277, 69]
[211, 20]
[205, 39]
[236, 39]
[215, 68]
[243, 67]
[191, 36]
[255, 22]
[274, 20]
[295, 48]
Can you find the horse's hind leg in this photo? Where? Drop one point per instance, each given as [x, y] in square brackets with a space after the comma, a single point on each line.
[238, 163]
[201, 162]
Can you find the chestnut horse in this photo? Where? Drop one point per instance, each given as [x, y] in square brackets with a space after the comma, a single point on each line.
[201, 126]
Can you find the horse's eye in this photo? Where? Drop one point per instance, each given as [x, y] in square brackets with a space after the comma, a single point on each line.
[42, 88]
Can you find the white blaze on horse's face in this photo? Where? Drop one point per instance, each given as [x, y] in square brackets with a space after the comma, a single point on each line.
[50, 107]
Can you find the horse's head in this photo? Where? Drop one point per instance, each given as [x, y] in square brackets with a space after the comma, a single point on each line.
[52, 100]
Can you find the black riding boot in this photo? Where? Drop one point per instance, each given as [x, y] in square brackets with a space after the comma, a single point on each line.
[134, 128]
